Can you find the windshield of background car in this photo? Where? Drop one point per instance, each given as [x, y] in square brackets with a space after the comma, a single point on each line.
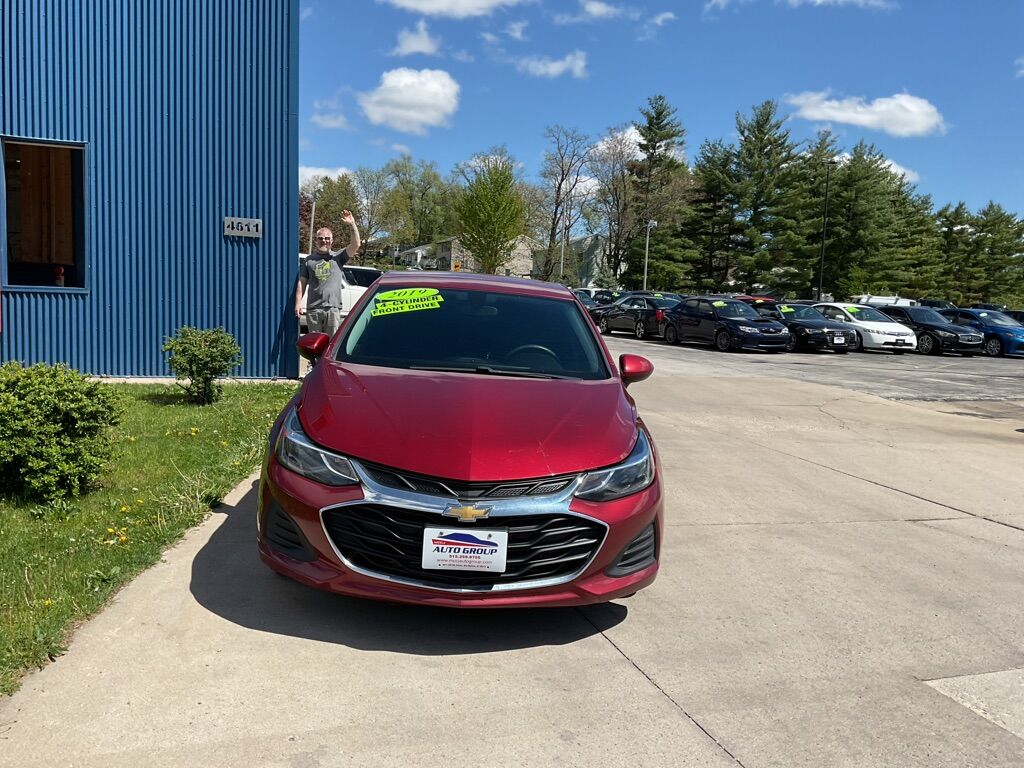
[797, 312]
[362, 277]
[925, 315]
[734, 309]
[868, 315]
[474, 331]
[997, 318]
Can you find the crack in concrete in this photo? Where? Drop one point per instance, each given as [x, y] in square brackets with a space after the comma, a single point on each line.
[889, 487]
[662, 691]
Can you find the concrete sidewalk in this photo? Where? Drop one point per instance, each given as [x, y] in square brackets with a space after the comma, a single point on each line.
[826, 554]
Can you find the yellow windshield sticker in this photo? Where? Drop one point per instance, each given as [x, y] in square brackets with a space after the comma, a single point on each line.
[658, 296]
[983, 314]
[718, 304]
[759, 301]
[786, 308]
[853, 310]
[406, 300]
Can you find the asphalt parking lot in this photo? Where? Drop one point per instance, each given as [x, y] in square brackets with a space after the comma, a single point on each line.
[843, 570]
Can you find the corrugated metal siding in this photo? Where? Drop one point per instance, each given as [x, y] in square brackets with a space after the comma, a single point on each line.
[187, 110]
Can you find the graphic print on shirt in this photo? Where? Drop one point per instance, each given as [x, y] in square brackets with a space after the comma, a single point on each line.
[322, 270]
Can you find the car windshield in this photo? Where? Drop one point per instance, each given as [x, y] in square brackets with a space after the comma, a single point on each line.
[798, 312]
[734, 309]
[475, 332]
[362, 277]
[664, 303]
[925, 315]
[868, 314]
[997, 318]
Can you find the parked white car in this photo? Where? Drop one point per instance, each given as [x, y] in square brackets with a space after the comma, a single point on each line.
[874, 330]
[357, 280]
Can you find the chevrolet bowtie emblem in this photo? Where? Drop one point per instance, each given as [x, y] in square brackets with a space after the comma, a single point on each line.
[466, 514]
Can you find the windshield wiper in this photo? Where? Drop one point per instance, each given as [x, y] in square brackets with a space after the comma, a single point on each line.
[487, 370]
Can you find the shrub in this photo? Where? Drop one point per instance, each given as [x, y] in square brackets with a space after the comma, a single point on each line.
[200, 356]
[54, 430]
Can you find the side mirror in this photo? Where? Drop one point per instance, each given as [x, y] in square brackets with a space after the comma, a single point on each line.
[634, 368]
[312, 345]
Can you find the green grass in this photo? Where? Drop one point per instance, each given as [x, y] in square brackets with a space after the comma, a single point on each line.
[172, 462]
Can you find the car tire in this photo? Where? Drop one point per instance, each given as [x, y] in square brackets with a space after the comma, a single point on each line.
[603, 325]
[723, 341]
[640, 330]
[671, 334]
[929, 345]
[792, 345]
[994, 348]
[858, 342]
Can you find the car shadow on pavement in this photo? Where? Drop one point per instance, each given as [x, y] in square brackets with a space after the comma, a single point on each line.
[230, 580]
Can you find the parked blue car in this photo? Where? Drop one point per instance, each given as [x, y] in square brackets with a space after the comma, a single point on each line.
[1003, 334]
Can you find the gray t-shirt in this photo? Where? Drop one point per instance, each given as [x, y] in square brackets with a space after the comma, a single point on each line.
[324, 279]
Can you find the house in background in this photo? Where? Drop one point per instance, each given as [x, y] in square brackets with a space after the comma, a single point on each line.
[149, 180]
[452, 256]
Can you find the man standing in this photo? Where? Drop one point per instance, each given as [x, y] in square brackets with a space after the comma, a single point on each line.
[321, 272]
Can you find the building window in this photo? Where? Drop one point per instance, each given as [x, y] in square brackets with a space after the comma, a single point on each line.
[45, 207]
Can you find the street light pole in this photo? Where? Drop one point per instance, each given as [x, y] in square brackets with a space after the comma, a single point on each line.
[824, 227]
[647, 247]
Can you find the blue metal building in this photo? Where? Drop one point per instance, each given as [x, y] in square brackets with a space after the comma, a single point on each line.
[145, 145]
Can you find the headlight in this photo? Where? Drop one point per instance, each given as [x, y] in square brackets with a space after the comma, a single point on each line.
[814, 330]
[631, 476]
[298, 453]
[749, 329]
[946, 334]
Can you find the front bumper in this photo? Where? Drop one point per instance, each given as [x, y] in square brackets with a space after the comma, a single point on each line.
[878, 341]
[768, 341]
[828, 340]
[311, 554]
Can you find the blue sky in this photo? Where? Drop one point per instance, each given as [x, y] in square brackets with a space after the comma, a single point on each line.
[937, 85]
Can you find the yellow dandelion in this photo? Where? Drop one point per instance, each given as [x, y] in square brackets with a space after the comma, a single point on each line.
[124, 508]
[139, 501]
[110, 530]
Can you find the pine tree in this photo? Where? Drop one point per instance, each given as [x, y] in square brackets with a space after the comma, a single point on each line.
[712, 222]
[964, 271]
[765, 170]
[999, 242]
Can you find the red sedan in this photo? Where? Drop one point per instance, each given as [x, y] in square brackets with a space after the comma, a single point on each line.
[466, 441]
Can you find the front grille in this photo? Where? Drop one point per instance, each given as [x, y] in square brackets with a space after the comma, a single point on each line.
[969, 339]
[771, 330]
[637, 556]
[436, 486]
[389, 541]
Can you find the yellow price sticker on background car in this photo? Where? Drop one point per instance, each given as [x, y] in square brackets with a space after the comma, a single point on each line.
[853, 310]
[718, 303]
[658, 296]
[786, 308]
[406, 300]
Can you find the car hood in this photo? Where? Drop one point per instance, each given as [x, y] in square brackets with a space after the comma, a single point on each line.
[957, 329]
[466, 426]
[873, 325]
[763, 322]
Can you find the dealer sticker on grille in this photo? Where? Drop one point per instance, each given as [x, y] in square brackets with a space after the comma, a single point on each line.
[461, 549]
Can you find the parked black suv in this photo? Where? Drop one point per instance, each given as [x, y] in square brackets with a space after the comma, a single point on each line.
[936, 303]
[935, 334]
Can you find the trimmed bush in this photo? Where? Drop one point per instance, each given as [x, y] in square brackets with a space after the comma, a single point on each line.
[55, 429]
[200, 356]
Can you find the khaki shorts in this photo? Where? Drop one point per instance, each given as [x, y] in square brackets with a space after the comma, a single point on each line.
[324, 320]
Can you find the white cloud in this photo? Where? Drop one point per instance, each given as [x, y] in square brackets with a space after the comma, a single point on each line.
[516, 30]
[307, 172]
[590, 10]
[650, 28]
[1019, 63]
[489, 38]
[401, 148]
[411, 101]
[416, 41]
[306, 13]
[331, 120]
[543, 66]
[455, 9]
[464, 57]
[912, 176]
[629, 136]
[663, 18]
[898, 115]
[305, 143]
